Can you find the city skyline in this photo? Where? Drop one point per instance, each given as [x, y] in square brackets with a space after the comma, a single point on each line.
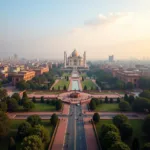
[46, 29]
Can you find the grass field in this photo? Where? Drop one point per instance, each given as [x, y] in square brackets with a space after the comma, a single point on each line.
[13, 130]
[41, 107]
[89, 84]
[107, 107]
[61, 84]
[137, 130]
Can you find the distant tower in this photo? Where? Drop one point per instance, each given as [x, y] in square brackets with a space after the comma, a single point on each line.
[84, 59]
[111, 58]
[65, 59]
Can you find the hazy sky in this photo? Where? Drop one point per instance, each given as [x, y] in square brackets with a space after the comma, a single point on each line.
[47, 28]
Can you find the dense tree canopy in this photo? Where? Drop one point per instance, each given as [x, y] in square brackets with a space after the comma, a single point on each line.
[145, 94]
[23, 130]
[34, 120]
[42, 133]
[119, 146]
[32, 142]
[124, 106]
[4, 124]
[3, 106]
[28, 105]
[118, 120]
[110, 138]
[126, 131]
[146, 125]
[16, 96]
[106, 128]
[12, 105]
[141, 104]
[144, 83]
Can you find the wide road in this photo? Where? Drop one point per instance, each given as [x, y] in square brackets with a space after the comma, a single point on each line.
[75, 135]
[80, 132]
[70, 134]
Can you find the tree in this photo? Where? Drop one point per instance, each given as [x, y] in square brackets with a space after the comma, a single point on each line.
[47, 101]
[119, 146]
[24, 95]
[126, 97]
[65, 88]
[118, 100]
[110, 138]
[106, 128]
[131, 99]
[33, 99]
[92, 105]
[59, 88]
[146, 125]
[12, 105]
[4, 124]
[96, 117]
[12, 144]
[16, 96]
[145, 94]
[3, 106]
[3, 94]
[23, 130]
[129, 86]
[118, 120]
[42, 133]
[34, 120]
[42, 99]
[140, 104]
[54, 119]
[124, 106]
[106, 99]
[135, 144]
[32, 142]
[28, 105]
[111, 100]
[146, 146]
[85, 87]
[97, 101]
[126, 131]
[58, 104]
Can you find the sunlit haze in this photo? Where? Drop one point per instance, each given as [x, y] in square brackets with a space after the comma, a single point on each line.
[47, 28]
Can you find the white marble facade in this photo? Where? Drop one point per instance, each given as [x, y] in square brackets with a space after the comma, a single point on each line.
[74, 60]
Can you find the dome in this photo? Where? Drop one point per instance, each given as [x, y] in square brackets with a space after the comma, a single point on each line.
[75, 53]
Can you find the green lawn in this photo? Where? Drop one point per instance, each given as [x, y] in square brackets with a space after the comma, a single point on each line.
[13, 130]
[42, 107]
[107, 107]
[137, 130]
[89, 84]
[61, 84]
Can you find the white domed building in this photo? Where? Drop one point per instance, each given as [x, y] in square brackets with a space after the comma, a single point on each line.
[75, 60]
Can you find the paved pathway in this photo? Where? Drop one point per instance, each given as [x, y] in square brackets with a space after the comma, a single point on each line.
[60, 135]
[90, 135]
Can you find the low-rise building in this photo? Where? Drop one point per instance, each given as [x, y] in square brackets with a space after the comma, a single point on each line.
[23, 75]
